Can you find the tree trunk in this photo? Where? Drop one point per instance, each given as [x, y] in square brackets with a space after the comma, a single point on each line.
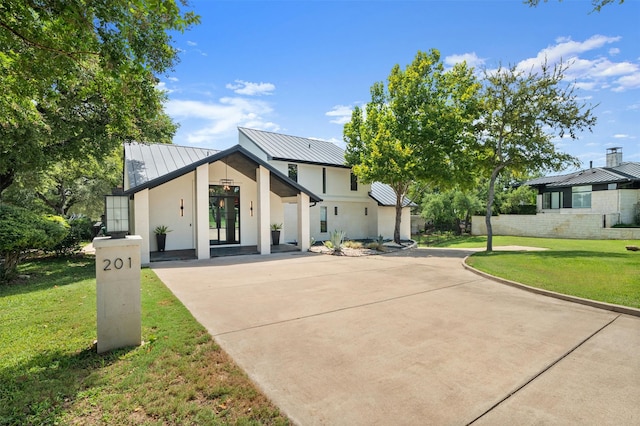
[490, 199]
[6, 179]
[396, 229]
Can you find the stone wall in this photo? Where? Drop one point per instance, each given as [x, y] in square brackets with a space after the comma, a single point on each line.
[556, 225]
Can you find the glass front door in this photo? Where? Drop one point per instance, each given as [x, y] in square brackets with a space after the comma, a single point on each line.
[224, 214]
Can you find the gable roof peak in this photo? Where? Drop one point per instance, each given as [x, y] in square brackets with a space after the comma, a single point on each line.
[296, 148]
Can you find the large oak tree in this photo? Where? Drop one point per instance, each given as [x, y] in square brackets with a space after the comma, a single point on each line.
[523, 113]
[79, 77]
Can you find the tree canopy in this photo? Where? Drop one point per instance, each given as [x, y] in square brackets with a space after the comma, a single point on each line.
[414, 128]
[523, 112]
[79, 77]
[597, 4]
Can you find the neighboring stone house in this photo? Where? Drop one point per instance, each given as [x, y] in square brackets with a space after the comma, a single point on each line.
[212, 198]
[583, 204]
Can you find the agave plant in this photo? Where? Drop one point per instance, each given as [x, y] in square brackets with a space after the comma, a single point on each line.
[336, 239]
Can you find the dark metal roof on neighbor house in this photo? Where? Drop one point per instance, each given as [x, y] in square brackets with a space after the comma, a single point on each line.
[151, 165]
[386, 196]
[295, 148]
[625, 172]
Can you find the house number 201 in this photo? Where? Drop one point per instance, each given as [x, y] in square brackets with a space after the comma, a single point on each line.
[116, 263]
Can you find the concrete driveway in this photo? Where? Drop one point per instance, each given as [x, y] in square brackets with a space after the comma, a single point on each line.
[411, 338]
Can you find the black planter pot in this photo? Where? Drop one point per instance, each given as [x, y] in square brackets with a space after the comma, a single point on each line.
[161, 239]
[275, 238]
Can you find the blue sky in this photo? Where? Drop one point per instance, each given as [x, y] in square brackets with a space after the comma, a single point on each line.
[299, 67]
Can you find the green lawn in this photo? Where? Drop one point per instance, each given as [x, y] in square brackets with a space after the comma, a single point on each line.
[51, 374]
[593, 269]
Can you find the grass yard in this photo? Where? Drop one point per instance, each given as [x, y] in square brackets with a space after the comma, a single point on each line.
[593, 269]
[51, 374]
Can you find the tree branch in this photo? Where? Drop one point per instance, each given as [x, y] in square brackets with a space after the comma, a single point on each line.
[43, 47]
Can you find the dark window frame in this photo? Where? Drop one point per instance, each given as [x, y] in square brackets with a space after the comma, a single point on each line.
[292, 170]
[323, 218]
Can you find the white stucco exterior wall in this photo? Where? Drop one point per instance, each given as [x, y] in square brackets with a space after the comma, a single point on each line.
[165, 202]
[387, 221]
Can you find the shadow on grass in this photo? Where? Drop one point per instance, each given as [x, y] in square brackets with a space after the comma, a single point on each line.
[45, 273]
[557, 254]
[39, 390]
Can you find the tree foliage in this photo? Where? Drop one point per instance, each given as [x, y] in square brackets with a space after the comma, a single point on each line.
[68, 187]
[446, 210]
[79, 77]
[597, 4]
[22, 230]
[522, 114]
[414, 128]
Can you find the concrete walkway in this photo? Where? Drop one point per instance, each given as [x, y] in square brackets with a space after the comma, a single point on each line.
[411, 338]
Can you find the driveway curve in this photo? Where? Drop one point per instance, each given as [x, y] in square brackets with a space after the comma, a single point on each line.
[411, 338]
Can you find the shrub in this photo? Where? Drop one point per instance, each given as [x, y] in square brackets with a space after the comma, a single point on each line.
[22, 230]
[352, 244]
[80, 229]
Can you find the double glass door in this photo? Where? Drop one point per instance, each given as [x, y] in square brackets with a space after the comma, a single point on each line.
[224, 214]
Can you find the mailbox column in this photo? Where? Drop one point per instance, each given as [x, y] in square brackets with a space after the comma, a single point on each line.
[118, 292]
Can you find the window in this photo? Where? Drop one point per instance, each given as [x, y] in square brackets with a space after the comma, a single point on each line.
[552, 200]
[354, 182]
[293, 172]
[366, 211]
[335, 210]
[581, 197]
[323, 219]
[324, 180]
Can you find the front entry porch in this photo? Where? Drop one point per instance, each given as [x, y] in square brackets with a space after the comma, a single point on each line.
[170, 255]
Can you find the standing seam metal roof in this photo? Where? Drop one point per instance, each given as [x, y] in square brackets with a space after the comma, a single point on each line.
[295, 148]
[146, 162]
[386, 196]
[594, 176]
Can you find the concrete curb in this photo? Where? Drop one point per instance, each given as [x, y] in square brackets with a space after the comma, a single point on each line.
[593, 303]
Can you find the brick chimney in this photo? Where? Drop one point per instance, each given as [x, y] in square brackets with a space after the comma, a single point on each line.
[614, 156]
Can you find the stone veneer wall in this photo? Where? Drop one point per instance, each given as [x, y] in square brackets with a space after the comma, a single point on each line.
[555, 225]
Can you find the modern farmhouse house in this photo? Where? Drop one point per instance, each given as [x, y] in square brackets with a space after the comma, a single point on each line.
[583, 204]
[231, 198]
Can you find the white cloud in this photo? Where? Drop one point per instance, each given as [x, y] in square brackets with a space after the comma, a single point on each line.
[471, 59]
[589, 72]
[631, 81]
[621, 136]
[174, 79]
[220, 119]
[162, 86]
[191, 43]
[250, 89]
[342, 114]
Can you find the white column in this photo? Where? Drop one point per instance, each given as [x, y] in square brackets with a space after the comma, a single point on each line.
[264, 210]
[141, 224]
[304, 223]
[202, 212]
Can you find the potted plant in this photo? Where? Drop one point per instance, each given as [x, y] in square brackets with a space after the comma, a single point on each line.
[275, 233]
[161, 236]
